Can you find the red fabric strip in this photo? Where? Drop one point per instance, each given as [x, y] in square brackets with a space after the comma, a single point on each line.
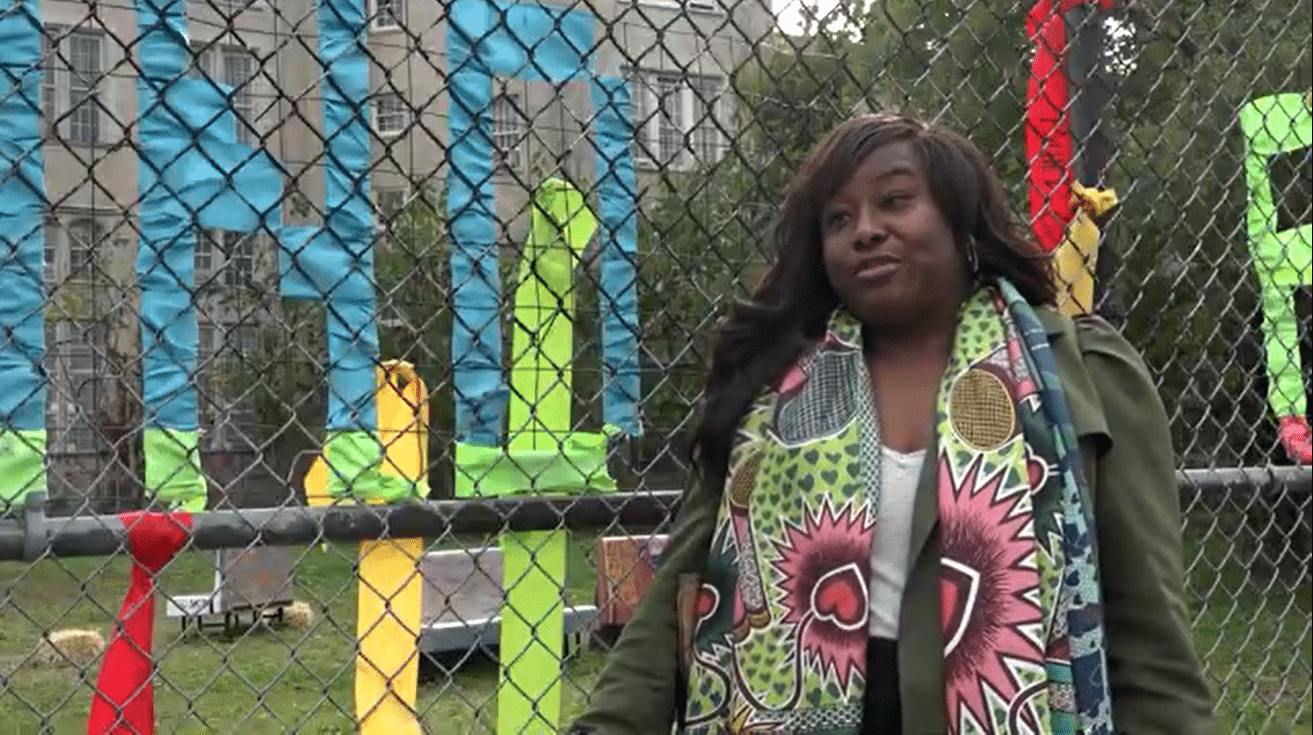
[124, 702]
[1049, 147]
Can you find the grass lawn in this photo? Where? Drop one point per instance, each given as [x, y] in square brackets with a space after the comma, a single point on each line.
[284, 680]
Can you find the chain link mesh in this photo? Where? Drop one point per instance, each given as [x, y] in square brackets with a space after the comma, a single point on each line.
[371, 179]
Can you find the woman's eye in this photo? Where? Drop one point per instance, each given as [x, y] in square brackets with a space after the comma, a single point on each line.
[893, 200]
[836, 219]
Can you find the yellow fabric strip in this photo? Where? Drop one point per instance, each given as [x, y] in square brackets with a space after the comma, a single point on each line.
[387, 629]
[1078, 255]
[389, 602]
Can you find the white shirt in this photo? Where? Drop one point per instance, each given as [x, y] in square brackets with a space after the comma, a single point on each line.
[899, 474]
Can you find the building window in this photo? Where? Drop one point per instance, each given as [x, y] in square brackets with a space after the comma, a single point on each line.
[204, 258]
[51, 254]
[234, 67]
[73, 245]
[239, 73]
[239, 260]
[390, 114]
[669, 115]
[74, 76]
[50, 84]
[508, 130]
[675, 118]
[231, 255]
[705, 101]
[86, 67]
[658, 116]
[388, 13]
[73, 362]
[85, 236]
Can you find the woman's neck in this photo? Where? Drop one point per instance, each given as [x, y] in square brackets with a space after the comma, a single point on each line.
[927, 340]
[905, 375]
[911, 350]
[926, 336]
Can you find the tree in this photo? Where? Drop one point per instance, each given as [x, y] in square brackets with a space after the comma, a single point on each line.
[286, 378]
[1180, 72]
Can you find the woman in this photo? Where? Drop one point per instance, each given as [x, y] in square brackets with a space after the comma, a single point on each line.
[926, 502]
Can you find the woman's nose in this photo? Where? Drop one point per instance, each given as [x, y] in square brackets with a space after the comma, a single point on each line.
[868, 232]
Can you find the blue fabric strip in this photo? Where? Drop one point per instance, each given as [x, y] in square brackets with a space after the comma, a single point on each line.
[348, 233]
[534, 41]
[527, 40]
[476, 349]
[225, 184]
[192, 172]
[166, 250]
[22, 209]
[617, 194]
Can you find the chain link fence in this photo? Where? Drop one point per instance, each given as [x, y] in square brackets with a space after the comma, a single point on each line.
[249, 247]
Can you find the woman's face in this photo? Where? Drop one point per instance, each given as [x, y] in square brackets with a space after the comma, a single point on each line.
[888, 251]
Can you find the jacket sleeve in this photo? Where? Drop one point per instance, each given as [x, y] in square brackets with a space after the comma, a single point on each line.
[1157, 682]
[637, 691]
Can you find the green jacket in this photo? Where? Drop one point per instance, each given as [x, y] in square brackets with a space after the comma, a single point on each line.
[1157, 682]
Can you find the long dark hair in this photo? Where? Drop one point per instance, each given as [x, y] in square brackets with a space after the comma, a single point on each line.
[761, 338]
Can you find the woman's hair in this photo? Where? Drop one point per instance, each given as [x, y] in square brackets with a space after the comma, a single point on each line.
[761, 338]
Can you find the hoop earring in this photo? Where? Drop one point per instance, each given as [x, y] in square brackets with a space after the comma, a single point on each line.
[973, 258]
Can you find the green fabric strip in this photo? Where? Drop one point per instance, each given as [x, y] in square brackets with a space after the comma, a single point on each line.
[543, 457]
[22, 466]
[577, 468]
[542, 343]
[1276, 124]
[173, 468]
[355, 470]
[532, 631]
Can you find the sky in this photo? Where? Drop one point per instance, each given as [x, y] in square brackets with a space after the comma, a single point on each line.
[788, 14]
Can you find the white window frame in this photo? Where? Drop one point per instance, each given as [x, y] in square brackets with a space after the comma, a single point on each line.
[386, 15]
[58, 86]
[399, 119]
[70, 414]
[61, 262]
[208, 257]
[510, 128]
[83, 253]
[233, 257]
[212, 60]
[50, 63]
[680, 140]
[51, 237]
[707, 94]
[697, 6]
[230, 8]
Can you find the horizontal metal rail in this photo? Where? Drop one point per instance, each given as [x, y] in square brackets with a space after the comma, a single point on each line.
[36, 534]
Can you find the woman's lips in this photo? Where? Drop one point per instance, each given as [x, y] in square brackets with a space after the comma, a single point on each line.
[876, 270]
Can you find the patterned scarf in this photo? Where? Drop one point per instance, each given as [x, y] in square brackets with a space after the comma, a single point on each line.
[779, 624]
